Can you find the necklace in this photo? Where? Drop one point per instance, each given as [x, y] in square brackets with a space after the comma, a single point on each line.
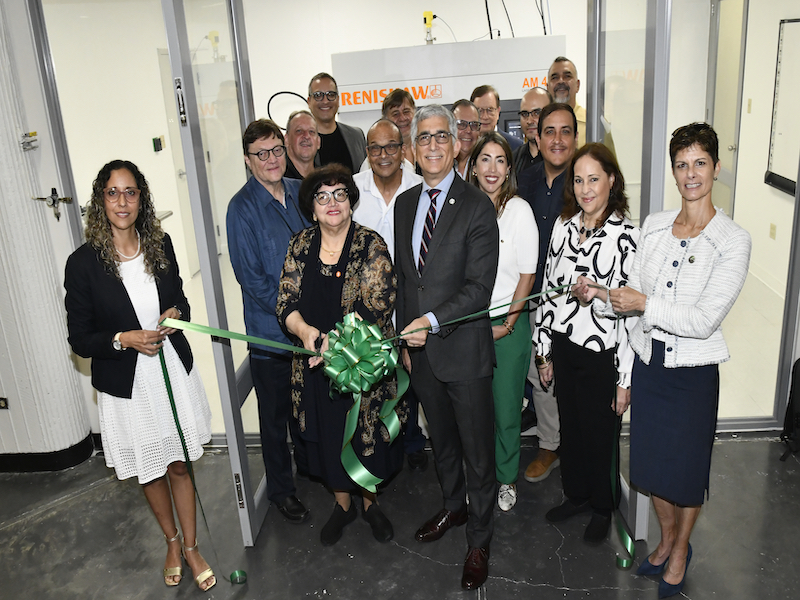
[135, 254]
[585, 230]
[331, 252]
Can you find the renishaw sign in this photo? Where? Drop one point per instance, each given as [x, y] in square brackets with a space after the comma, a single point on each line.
[443, 73]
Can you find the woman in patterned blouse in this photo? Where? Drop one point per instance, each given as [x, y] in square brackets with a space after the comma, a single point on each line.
[590, 355]
[334, 268]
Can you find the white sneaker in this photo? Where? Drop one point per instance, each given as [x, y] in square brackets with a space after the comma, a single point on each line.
[507, 496]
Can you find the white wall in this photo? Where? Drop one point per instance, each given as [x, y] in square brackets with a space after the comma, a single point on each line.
[758, 205]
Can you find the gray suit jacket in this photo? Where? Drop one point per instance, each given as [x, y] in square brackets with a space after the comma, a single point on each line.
[459, 274]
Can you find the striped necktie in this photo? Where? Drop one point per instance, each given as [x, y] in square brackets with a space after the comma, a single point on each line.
[427, 232]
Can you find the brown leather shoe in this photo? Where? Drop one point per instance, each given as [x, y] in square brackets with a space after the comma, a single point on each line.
[435, 527]
[542, 465]
[476, 568]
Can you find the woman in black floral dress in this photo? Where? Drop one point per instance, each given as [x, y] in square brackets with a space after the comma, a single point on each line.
[332, 269]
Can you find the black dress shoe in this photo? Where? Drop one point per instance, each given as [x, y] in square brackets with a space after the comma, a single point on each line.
[476, 568]
[381, 526]
[528, 420]
[597, 529]
[293, 510]
[435, 527]
[332, 530]
[418, 461]
[566, 510]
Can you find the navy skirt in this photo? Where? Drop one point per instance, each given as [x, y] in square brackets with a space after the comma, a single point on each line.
[673, 421]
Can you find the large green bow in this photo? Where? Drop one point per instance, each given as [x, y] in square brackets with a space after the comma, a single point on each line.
[358, 358]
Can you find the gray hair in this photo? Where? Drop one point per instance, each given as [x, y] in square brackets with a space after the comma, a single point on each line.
[297, 113]
[430, 111]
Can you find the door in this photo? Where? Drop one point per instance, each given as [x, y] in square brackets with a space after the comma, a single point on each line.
[726, 72]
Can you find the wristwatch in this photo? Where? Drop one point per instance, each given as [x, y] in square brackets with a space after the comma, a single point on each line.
[116, 343]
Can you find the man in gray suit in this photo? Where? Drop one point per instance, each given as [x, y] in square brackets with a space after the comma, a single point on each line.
[446, 252]
[341, 143]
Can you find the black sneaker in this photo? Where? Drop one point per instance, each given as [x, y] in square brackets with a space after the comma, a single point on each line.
[381, 526]
[332, 531]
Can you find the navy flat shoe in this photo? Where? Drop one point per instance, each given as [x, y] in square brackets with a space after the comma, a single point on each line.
[665, 590]
[648, 568]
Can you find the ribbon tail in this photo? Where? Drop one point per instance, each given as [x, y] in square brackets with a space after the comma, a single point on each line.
[352, 465]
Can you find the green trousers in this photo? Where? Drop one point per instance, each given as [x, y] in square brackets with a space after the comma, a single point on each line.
[513, 354]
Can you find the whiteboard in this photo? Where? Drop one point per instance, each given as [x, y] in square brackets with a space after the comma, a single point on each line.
[784, 147]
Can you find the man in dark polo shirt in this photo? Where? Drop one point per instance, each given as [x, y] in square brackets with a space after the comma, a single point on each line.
[341, 143]
[530, 107]
[542, 185]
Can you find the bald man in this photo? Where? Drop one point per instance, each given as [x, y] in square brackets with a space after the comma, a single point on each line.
[530, 107]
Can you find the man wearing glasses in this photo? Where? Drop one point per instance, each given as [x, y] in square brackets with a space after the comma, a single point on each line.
[341, 143]
[487, 100]
[446, 252]
[468, 124]
[262, 216]
[530, 107]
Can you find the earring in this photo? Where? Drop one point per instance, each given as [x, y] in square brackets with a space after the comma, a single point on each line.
[715, 178]
[474, 174]
[506, 176]
[314, 217]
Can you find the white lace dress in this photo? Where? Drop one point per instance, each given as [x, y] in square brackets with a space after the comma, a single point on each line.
[140, 438]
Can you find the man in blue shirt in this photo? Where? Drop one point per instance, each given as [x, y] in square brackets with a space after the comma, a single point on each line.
[262, 217]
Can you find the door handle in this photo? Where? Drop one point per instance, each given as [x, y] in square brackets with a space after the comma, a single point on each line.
[732, 147]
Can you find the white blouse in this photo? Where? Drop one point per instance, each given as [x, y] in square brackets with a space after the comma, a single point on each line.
[690, 286]
[519, 253]
[606, 258]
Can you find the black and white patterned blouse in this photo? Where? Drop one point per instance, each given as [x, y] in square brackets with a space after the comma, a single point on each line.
[606, 258]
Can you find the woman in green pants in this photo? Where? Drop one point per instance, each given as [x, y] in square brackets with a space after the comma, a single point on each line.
[491, 171]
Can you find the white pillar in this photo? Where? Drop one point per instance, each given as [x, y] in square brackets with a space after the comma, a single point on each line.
[46, 418]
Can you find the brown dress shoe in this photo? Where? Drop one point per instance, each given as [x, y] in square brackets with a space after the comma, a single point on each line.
[542, 465]
[435, 527]
[476, 568]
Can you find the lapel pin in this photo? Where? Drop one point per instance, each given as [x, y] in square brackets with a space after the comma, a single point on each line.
[691, 259]
[452, 200]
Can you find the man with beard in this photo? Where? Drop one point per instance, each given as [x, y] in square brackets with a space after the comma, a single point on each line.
[302, 144]
[542, 186]
[530, 107]
[469, 129]
[563, 85]
[340, 143]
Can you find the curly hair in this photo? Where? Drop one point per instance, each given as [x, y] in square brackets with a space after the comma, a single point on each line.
[98, 227]
[509, 188]
[617, 200]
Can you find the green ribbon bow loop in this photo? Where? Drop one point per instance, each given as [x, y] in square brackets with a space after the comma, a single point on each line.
[358, 358]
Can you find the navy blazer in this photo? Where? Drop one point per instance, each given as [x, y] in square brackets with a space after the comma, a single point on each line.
[98, 307]
[459, 274]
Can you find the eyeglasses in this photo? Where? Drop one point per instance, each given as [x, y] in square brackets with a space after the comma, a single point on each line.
[320, 96]
[391, 149]
[263, 155]
[442, 137]
[341, 195]
[530, 113]
[114, 195]
[464, 125]
[489, 112]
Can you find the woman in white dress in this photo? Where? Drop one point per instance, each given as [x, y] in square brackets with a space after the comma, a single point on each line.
[491, 170]
[120, 285]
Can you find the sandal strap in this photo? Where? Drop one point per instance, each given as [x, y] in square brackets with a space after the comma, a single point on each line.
[173, 539]
[173, 571]
[204, 576]
[191, 548]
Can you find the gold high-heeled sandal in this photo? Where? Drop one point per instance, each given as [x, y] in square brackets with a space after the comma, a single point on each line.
[173, 571]
[205, 575]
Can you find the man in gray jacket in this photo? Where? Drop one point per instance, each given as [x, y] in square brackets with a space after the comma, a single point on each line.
[341, 143]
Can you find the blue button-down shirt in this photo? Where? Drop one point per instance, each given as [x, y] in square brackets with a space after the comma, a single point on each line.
[259, 230]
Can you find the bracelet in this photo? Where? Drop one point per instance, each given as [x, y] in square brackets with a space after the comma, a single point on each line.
[543, 361]
[508, 326]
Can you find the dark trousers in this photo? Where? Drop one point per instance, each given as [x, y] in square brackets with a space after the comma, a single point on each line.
[413, 438]
[585, 389]
[461, 426]
[271, 379]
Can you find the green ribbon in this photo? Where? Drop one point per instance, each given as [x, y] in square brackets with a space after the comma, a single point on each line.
[358, 358]
[237, 576]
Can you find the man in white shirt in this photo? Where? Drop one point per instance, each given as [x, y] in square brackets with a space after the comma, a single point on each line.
[379, 186]
[384, 181]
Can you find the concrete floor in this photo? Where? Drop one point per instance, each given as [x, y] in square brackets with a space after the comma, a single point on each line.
[82, 534]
